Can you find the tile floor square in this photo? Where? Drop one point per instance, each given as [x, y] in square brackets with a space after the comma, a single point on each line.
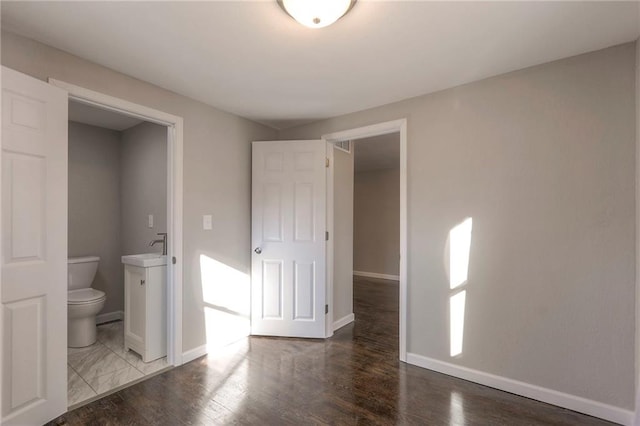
[104, 366]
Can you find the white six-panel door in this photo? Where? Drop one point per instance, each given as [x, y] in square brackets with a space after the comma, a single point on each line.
[288, 238]
[33, 290]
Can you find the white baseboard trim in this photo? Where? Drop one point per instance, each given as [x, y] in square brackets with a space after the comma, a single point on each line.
[194, 353]
[347, 319]
[109, 316]
[377, 275]
[572, 402]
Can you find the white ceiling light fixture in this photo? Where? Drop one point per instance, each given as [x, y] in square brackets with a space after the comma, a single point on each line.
[316, 13]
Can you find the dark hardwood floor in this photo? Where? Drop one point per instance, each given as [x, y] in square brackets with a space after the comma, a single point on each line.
[353, 378]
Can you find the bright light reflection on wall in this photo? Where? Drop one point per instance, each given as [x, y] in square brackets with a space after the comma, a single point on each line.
[226, 294]
[459, 249]
[456, 321]
[459, 245]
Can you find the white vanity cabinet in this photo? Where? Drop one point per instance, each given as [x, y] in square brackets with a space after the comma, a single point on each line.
[145, 306]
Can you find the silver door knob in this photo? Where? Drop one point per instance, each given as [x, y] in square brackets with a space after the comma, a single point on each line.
[258, 250]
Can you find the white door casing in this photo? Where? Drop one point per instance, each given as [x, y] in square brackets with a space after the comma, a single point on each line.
[365, 132]
[288, 224]
[33, 287]
[175, 127]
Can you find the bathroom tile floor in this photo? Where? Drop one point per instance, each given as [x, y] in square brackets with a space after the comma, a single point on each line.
[105, 366]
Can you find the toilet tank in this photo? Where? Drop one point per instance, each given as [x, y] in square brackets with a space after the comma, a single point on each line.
[81, 271]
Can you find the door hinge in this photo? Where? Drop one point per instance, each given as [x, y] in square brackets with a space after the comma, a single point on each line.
[173, 260]
[326, 235]
[327, 162]
[326, 309]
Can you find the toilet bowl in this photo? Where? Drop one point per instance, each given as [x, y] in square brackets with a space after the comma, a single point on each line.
[83, 302]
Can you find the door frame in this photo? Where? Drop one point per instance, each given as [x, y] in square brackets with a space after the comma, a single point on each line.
[395, 126]
[174, 126]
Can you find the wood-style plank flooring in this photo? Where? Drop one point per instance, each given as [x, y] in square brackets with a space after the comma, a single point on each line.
[353, 378]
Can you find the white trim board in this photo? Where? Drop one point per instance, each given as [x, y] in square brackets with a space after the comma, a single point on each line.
[637, 219]
[560, 399]
[328, 327]
[347, 319]
[194, 353]
[377, 275]
[175, 127]
[399, 126]
[109, 316]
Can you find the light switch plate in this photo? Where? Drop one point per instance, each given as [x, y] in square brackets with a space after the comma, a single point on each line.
[207, 222]
[150, 221]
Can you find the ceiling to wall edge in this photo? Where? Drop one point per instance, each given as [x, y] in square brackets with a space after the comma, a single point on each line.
[283, 125]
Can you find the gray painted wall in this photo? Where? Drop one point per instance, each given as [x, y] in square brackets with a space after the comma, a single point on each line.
[343, 234]
[94, 205]
[143, 186]
[542, 159]
[115, 180]
[637, 370]
[217, 164]
[376, 231]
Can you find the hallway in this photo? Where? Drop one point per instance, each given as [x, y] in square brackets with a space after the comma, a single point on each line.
[352, 378]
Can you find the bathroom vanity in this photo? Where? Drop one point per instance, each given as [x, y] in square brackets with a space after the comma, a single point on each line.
[145, 305]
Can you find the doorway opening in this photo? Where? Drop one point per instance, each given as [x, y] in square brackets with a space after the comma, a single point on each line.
[379, 175]
[376, 207]
[126, 158]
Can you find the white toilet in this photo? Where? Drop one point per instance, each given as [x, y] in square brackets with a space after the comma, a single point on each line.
[83, 302]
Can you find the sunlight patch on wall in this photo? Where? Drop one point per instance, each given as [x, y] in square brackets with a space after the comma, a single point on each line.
[456, 321]
[226, 294]
[459, 245]
[459, 252]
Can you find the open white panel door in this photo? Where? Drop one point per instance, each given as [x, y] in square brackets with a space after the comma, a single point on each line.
[33, 290]
[288, 227]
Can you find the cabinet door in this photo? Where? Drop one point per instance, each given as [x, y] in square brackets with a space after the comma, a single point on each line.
[135, 307]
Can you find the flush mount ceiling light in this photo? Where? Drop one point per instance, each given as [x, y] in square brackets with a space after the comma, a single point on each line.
[316, 13]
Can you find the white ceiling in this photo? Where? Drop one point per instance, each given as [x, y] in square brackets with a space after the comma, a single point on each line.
[251, 59]
[377, 153]
[82, 113]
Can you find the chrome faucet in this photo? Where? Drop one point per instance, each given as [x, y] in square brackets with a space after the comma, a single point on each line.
[163, 241]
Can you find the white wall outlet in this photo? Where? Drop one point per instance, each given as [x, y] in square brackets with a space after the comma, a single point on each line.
[150, 221]
[207, 222]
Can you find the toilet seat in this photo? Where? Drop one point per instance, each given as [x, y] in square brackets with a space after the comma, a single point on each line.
[84, 296]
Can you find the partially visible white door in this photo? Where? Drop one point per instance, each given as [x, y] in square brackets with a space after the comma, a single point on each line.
[33, 290]
[288, 227]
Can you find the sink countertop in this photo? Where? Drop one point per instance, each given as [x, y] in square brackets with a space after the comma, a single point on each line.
[145, 260]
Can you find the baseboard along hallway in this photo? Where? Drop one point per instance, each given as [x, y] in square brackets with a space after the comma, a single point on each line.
[354, 377]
